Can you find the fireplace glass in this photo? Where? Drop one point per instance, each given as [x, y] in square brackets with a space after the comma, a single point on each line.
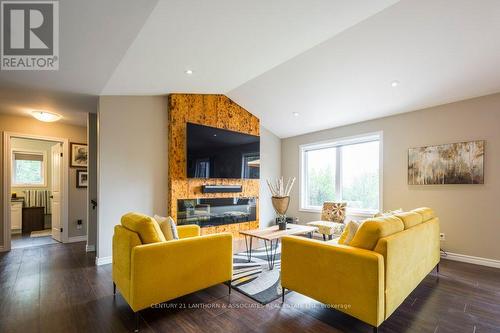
[207, 212]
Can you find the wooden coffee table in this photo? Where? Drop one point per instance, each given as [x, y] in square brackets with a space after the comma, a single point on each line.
[273, 236]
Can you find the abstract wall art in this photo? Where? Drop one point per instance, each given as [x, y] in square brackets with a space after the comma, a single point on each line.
[454, 163]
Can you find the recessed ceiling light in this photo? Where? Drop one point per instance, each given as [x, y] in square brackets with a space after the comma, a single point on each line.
[395, 83]
[295, 114]
[46, 116]
[215, 134]
[188, 72]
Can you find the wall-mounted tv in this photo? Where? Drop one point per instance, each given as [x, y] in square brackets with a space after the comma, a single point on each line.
[218, 153]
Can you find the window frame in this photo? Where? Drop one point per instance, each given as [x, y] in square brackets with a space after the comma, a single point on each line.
[44, 168]
[336, 143]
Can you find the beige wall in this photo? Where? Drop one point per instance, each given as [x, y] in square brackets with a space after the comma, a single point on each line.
[27, 125]
[270, 168]
[467, 212]
[132, 161]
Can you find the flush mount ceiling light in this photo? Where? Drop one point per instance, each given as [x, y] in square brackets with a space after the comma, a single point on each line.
[46, 116]
[395, 83]
[188, 72]
[295, 114]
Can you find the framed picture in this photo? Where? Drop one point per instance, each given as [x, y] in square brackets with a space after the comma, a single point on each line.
[454, 163]
[79, 153]
[82, 179]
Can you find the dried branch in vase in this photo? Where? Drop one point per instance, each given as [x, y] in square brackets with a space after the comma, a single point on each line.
[279, 188]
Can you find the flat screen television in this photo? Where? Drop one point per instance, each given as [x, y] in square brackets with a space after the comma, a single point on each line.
[218, 153]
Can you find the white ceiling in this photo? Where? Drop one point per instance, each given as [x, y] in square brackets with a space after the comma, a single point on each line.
[440, 50]
[332, 61]
[227, 42]
[72, 107]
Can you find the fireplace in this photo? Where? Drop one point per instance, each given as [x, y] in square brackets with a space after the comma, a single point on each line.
[208, 212]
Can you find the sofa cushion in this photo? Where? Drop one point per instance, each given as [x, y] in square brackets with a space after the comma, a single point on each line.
[426, 212]
[348, 233]
[410, 219]
[168, 227]
[371, 230]
[146, 227]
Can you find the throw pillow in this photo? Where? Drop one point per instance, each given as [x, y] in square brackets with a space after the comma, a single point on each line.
[371, 230]
[146, 227]
[348, 233]
[168, 227]
[333, 212]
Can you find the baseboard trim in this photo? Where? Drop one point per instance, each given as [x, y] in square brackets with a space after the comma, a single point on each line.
[103, 260]
[471, 259]
[77, 239]
[90, 248]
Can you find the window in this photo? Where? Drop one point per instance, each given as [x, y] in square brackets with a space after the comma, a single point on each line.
[250, 165]
[202, 168]
[28, 169]
[346, 170]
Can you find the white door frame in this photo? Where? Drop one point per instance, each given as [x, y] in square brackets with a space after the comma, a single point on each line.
[7, 180]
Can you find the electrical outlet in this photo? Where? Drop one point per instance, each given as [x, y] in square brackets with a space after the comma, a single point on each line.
[442, 236]
[79, 224]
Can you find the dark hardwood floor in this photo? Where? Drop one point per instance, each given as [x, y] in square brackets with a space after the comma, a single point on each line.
[21, 241]
[57, 288]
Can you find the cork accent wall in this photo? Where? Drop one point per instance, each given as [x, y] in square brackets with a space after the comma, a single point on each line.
[210, 110]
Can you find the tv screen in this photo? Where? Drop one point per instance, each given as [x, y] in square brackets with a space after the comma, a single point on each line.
[217, 153]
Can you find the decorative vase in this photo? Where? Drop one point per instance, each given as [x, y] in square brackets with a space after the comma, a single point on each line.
[280, 205]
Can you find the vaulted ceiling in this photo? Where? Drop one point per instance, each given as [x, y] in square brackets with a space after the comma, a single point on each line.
[300, 66]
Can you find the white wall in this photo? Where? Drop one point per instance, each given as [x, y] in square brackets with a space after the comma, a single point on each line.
[270, 168]
[132, 161]
[467, 212]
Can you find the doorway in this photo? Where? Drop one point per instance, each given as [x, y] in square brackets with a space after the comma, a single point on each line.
[36, 190]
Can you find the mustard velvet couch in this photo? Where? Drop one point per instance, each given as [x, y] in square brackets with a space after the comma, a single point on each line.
[148, 270]
[393, 254]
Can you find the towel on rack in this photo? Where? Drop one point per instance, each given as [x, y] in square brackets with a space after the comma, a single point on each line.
[38, 198]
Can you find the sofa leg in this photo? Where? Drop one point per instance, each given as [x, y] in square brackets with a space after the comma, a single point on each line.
[330, 237]
[375, 329]
[437, 268]
[229, 286]
[324, 237]
[136, 329]
[283, 295]
[114, 288]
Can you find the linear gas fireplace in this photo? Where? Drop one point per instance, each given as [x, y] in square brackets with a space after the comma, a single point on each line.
[207, 212]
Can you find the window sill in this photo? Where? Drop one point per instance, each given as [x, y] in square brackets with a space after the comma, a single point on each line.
[360, 214]
[348, 212]
[309, 210]
[29, 185]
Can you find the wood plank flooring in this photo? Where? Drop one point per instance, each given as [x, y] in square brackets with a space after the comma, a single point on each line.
[57, 288]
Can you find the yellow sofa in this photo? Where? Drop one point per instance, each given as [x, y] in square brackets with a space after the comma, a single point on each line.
[393, 254]
[149, 270]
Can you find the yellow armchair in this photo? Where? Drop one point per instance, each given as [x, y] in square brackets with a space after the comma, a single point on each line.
[190, 230]
[148, 274]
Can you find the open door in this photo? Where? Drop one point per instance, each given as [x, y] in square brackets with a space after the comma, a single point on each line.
[56, 177]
